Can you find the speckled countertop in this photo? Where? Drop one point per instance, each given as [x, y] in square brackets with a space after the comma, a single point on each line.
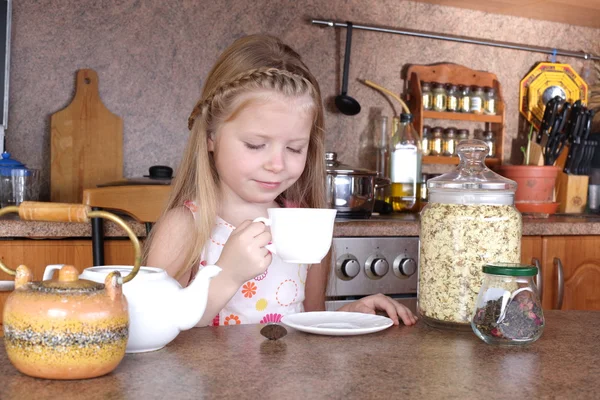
[396, 225]
[236, 362]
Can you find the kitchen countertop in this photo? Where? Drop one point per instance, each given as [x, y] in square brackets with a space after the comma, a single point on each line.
[391, 225]
[236, 362]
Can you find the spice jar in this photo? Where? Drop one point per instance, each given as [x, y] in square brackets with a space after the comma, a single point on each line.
[508, 309]
[490, 141]
[426, 139]
[435, 143]
[464, 99]
[439, 97]
[449, 142]
[452, 98]
[489, 101]
[462, 134]
[426, 95]
[469, 220]
[476, 99]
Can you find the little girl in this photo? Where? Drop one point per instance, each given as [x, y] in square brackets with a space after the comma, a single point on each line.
[256, 142]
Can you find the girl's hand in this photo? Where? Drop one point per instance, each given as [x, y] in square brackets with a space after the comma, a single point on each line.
[244, 255]
[394, 310]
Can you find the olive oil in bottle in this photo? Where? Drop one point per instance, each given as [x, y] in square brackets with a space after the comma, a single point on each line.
[405, 166]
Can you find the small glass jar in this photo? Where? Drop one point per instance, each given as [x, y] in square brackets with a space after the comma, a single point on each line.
[489, 101]
[435, 143]
[427, 95]
[452, 94]
[476, 99]
[464, 99]
[490, 140]
[426, 139]
[449, 143]
[439, 97]
[462, 134]
[508, 310]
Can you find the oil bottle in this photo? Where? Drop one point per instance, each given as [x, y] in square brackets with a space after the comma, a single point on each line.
[405, 165]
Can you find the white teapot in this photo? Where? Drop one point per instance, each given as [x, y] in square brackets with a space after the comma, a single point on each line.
[159, 308]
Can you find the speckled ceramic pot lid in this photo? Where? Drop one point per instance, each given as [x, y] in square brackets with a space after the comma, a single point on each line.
[471, 173]
[68, 282]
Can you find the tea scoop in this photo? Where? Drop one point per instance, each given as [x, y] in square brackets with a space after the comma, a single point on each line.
[273, 331]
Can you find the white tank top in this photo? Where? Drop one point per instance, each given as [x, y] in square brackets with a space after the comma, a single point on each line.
[266, 298]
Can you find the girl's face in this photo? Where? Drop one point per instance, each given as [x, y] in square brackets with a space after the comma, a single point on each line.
[260, 151]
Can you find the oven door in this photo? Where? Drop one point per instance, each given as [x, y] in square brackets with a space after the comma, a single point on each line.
[409, 302]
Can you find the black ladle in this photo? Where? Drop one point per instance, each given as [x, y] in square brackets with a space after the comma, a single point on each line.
[346, 104]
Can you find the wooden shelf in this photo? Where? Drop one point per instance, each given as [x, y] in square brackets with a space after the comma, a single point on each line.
[454, 160]
[457, 116]
[458, 75]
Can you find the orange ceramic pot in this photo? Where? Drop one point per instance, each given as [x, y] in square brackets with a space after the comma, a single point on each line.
[65, 328]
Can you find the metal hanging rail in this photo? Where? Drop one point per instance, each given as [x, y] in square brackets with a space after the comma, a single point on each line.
[462, 39]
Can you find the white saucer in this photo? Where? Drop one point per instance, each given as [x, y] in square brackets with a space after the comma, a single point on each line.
[337, 323]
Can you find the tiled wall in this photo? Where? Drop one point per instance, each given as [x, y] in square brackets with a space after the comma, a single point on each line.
[152, 56]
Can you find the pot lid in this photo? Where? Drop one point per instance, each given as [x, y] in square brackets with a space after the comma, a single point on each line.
[68, 282]
[336, 167]
[7, 164]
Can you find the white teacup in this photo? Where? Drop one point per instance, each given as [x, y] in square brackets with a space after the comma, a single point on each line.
[300, 235]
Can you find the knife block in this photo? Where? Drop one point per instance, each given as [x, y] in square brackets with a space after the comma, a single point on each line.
[571, 193]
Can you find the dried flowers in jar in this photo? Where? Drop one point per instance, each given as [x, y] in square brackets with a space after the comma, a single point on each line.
[508, 309]
[470, 220]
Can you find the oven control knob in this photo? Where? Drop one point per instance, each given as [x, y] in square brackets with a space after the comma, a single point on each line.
[404, 267]
[376, 267]
[347, 267]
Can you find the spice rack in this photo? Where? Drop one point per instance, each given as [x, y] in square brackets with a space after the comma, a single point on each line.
[459, 75]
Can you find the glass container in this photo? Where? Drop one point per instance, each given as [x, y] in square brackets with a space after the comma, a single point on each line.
[439, 97]
[449, 142]
[427, 95]
[476, 99]
[426, 139]
[382, 146]
[489, 101]
[452, 95]
[508, 310]
[490, 141]
[435, 144]
[464, 99]
[462, 134]
[470, 220]
[405, 167]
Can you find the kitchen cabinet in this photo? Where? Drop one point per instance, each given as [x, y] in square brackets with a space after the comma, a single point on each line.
[570, 270]
[36, 254]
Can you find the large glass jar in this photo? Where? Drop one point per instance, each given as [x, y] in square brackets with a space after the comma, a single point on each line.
[508, 309]
[470, 220]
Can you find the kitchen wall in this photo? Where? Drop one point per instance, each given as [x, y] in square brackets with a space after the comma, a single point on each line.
[152, 56]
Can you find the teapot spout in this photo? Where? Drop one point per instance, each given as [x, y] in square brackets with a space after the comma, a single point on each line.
[193, 298]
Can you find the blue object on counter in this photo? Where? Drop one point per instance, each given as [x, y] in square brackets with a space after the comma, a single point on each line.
[7, 164]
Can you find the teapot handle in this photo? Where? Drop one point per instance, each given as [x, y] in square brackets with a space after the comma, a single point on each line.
[66, 212]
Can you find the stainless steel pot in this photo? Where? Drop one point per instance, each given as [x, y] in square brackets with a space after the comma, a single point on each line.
[349, 190]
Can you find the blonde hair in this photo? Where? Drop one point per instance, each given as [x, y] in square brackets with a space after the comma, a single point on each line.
[252, 63]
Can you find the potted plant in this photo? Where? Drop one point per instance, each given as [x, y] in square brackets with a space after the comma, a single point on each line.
[535, 181]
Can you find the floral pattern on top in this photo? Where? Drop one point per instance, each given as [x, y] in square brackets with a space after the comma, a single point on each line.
[232, 320]
[271, 318]
[249, 289]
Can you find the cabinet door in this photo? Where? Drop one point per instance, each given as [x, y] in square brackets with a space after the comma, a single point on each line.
[571, 270]
[36, 254]
[531, 254]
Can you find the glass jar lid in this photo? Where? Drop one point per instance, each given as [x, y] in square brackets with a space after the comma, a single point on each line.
[472, 181]
[510, 269]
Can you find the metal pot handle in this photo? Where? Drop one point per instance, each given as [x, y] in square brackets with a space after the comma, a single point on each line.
[65, 212]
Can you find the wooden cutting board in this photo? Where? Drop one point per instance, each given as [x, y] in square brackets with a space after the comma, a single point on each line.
[86, 143]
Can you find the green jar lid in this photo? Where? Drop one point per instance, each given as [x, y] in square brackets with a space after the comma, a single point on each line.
[510, 269]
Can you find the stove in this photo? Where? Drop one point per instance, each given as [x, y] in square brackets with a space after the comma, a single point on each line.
[369, 265]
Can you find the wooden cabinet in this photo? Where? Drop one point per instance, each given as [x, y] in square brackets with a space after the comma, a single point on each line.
[570, 268]
[459, 75]
[36, 254]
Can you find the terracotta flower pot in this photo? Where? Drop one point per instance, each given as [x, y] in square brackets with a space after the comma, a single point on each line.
[535, 184]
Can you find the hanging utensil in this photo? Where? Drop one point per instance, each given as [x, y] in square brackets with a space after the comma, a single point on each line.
[346, 104]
